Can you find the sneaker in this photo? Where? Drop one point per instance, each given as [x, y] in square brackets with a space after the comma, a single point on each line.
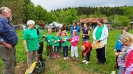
[53, 56]
[64, 58]
[73, 59]
[67, 57]
[48, 56]
[84, 61]
[98, 62]
[102, 64]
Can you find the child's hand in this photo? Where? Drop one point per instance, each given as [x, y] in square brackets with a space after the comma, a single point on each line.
[66, 38]
[72, 40]
[75, 39]
[48, 40]
[115, 50]
[116, 54]
[43, 36]
[61, 41]
[58, 40]
[55, 41]
[84, 54]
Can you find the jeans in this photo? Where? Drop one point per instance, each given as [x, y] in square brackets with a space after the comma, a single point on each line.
[40, 51]
[56, 48]
[121, 70]
[65, 51]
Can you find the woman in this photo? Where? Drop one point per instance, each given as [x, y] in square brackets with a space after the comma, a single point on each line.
[74, 27]
[85, 33]
[31, 44]
[100, 34]
[119, 45]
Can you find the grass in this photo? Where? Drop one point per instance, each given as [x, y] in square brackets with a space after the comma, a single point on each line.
[59, 66]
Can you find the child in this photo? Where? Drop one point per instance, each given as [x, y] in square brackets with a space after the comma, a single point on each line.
[127, 40]
[118, 44]
[60, 35]
[64, 41]
[49, 46]
[56, 45]
[74, 45]
[86, 49]
[121, 60]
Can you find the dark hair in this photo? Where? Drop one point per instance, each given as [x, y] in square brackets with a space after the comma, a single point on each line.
[41, 23]
[75, 22]
[100, 20]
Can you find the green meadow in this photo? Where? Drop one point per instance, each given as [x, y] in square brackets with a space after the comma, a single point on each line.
[60, 66]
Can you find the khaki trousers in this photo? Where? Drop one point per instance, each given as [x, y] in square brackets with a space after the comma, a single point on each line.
[9, 59]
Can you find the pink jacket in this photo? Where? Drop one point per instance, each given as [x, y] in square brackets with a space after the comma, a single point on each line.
[129, 63]
[74, 40]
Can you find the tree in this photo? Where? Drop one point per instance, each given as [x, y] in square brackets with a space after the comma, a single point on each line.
[128, 11]
[17, 7]
[29, 12]
[41, 14]
[71, 16]
[118, 20]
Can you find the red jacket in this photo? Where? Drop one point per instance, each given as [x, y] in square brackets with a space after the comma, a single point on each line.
[129, 63]
[87, 46]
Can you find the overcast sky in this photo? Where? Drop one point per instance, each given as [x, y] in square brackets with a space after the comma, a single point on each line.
[55, 4]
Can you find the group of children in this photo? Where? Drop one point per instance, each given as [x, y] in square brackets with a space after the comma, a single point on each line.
[61, 39]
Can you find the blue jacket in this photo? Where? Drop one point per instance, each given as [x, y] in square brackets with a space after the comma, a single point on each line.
[72, 28]
[118, 44]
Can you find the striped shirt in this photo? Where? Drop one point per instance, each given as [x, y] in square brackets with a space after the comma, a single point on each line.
[7, 32]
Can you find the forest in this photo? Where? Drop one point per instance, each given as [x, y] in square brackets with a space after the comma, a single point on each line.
[24, 10]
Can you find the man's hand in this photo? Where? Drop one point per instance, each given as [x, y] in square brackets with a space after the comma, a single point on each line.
[9, 46]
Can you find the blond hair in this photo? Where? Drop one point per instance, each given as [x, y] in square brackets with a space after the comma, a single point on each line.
[49, 30]
[82, 48]
[126, 37]
[65, 32]
[75, 31]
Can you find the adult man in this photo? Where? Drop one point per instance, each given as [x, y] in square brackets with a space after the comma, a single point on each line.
[8, 40]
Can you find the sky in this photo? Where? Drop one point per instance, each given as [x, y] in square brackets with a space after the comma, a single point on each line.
[55, 4]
